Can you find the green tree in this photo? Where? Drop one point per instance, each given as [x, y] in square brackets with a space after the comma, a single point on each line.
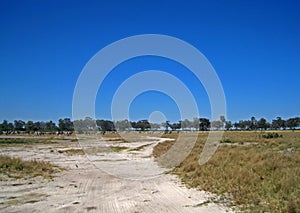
[143, 125]
[278, 123]
[263, 124]
[133, 125]
[50, 126]
[293, 123]
[228, 125]
[106, 125]
[175, 126]
[29, 126]
[253, 125]
[67, 125]
[19, 125]
[6, 126]
[204, 124]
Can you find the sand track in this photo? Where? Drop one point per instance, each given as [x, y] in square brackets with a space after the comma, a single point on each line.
[132, 182]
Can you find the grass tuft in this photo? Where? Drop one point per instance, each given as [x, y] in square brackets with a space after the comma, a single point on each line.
[72, 151]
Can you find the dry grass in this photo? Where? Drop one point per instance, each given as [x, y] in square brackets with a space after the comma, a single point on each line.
[261, 175]
[162, 148]
[72, 151]
[140, 147]
[24, 199]
[18, 168]
[9, 141]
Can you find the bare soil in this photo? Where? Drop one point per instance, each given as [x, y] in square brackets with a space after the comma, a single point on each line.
[100, 179]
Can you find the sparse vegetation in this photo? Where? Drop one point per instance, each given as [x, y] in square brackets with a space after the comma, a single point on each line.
[162, 148]
[18, 168]
[24, 141]
[140, 147]
[72, 151]
[271, 135]
[226, 140]
[262, 176]
[118, 148]
[28, 198]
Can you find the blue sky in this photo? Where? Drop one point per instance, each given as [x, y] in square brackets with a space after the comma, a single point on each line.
[254, 47]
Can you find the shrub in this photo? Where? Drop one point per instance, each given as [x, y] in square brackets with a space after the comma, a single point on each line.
[272, 135]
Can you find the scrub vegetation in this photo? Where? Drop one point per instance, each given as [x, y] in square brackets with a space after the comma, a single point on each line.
[258, 173]
[11, 167]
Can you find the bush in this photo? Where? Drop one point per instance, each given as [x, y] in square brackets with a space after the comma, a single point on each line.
[226, 140]
[272, 135]
[18, 168]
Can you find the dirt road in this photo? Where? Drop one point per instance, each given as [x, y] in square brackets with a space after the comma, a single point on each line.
[123, 179]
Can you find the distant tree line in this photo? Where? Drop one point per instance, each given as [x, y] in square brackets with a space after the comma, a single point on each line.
[88, 125]
[19, 126]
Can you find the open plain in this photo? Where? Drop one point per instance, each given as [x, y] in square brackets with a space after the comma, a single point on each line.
[97, 175]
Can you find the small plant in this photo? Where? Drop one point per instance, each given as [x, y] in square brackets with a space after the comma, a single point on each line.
[72, 151]
[272, 135]
[226, 140]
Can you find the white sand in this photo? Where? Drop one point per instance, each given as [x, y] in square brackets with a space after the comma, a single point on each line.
[127, 181]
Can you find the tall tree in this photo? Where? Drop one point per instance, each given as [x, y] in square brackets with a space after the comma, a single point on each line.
[106, 125]
[253, 125]
[175, 126]
[67, 125]
[143, 125]
[50, 126]
[293, 123]
[263, 124]
[7, 126]
[278, 123]
[228, 125]
[204, 124]
[19, 125]
[166, 125]
[29, 126]
[133, 125]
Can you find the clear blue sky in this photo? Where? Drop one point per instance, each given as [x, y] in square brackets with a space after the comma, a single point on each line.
[254, 47]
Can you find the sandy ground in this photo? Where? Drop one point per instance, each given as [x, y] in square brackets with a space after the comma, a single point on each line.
[101, 180]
